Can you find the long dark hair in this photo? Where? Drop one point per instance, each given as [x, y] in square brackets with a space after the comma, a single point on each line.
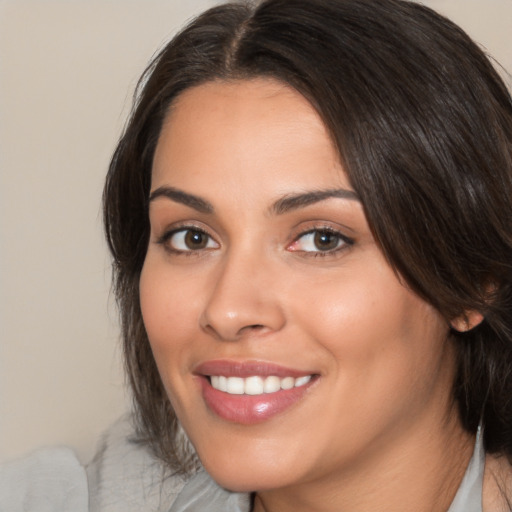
[423, 125]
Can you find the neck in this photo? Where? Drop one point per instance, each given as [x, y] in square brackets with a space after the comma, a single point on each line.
[497, 485]
[418, 471]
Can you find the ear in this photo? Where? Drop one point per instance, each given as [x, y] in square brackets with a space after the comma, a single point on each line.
[467, 321]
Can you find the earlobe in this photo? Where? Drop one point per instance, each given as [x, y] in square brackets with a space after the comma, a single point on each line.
[467, 321]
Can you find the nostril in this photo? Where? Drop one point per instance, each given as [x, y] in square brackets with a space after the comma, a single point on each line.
[254, 328]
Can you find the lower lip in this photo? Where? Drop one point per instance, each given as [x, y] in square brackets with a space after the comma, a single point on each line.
[250, 409]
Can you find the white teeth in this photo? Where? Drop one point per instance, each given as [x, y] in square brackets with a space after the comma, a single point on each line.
[256, 385]
[301, 380]
[272, 384]
[235, 386]
[288, 383]
[223, 383]
[253, 386]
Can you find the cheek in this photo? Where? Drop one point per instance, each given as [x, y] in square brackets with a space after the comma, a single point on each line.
[169, 310]
[373, 326]
[387, 352]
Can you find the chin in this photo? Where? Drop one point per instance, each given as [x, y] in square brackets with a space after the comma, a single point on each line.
[245, 480]
[249, 472]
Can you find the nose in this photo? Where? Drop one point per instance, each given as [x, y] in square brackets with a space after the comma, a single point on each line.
[244, 300]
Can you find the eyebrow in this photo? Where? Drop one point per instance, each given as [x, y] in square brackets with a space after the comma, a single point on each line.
[296, 201]
[178, 196]
[285, 204]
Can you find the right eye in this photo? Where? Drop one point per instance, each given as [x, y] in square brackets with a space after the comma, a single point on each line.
[187, 240]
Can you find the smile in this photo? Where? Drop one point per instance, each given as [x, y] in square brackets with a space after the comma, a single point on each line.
[256, 385]
[252, 392]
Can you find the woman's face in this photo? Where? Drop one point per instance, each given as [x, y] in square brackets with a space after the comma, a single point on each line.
[289, 348]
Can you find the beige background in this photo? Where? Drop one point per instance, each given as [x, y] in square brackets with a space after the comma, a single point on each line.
[67, 70]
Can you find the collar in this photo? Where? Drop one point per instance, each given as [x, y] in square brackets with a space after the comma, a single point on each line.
[469, 495]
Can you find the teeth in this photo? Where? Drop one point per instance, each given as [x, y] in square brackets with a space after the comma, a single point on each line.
[256, 385]
[288, 383]
[301, 380]
[223, 383]
[253, 386]
[272, 384]
[236, 386]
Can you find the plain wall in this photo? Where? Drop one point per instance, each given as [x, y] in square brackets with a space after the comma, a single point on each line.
[67, 71]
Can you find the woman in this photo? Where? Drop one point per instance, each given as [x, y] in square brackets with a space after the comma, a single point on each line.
[310, 219]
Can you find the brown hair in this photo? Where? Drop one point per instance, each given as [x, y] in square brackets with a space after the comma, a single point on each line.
[423, 125]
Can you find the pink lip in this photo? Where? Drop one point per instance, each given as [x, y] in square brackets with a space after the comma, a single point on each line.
[247, 369]
[248, 409]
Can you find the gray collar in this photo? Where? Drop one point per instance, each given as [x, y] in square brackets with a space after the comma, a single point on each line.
[469, 495]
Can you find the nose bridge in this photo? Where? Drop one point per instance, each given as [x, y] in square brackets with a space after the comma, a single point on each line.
[243, 298]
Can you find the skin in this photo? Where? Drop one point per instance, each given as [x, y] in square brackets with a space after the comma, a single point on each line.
[497, 484]
[378, 429]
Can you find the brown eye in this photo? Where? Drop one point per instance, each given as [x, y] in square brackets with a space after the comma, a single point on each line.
[326, 241]
[188, 239]
[195, 240]
[318, 242]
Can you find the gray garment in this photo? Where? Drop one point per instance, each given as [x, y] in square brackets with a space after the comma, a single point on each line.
[469, 495]
[125, 477]
[48, 480]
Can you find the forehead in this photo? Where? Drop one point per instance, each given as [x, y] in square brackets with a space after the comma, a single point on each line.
[258, 98]
[237, 130]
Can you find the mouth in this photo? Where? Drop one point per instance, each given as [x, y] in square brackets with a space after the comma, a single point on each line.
[251, 392]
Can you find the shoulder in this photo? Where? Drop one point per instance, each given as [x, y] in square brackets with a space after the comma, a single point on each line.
[124, 476]
[48, 480]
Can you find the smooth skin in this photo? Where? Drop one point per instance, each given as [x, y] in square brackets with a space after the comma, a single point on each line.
[234, 272]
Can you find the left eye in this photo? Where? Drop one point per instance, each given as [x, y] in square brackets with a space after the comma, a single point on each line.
[319, 241]
[186, 240]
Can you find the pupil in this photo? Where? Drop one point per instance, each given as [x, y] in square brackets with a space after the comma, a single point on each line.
[195, 240]
[325, 241]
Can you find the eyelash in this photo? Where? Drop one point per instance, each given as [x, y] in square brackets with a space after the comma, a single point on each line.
[343, 242]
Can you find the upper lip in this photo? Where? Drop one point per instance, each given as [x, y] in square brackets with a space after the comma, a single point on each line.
[247, 369]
